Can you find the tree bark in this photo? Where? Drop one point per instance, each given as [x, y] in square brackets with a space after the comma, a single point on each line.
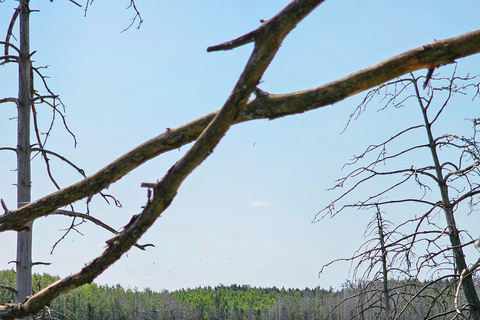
[24, 238]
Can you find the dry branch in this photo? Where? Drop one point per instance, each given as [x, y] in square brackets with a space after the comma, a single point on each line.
[271, 106]
[10, 33]
[9, 99]
[98, 223]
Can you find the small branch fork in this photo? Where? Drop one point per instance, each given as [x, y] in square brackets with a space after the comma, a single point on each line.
[98, 222]
[132, 5]
[240, 41]
[136, 17]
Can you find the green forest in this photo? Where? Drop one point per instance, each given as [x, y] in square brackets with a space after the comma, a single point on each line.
[411, 299]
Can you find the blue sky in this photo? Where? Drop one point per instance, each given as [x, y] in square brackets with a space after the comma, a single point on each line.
[244, 216]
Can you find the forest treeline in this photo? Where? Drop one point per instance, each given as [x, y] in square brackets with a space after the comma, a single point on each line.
[352, 301]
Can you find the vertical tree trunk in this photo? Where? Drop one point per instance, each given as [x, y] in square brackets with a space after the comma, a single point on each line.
[459, 257]
[386, 294]
[24, 238]
[467, 284]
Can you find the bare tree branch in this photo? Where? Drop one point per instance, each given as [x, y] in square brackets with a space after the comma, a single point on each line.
[240, 41]
[10, 33]
[97, 222]
[135, 17]
[54, 104]
[59, 156]
[7, 45]
[76, 3]
[271, 106]
[8, 288]
[10, 99]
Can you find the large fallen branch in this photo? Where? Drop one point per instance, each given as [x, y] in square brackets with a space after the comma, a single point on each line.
[269, 106]
[267, 42]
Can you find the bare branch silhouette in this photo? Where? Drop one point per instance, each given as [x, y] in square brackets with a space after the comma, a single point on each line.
[395, 252]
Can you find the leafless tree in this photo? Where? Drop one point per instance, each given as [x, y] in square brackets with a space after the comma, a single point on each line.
[445, 183]
[208, 130]
[26, 102]
[31, 98]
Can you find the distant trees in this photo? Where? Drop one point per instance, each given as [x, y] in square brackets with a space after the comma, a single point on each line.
[206, 131]
[427, 167]
[234, 302]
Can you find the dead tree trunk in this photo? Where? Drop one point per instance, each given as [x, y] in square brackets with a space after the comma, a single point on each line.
[459, 258]
[381, 235]
[24, 238]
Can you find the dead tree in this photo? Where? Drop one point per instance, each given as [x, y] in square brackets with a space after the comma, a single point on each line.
[24, 103]
[447, 183]
[30, 99]
[381, 236]
[207, 131]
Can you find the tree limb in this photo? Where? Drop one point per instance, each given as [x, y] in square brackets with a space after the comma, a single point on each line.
[97, 222]
[9, 99]
[10, 33]
[271, 106]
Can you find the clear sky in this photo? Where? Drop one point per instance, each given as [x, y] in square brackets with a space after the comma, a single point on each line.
[244, 216]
